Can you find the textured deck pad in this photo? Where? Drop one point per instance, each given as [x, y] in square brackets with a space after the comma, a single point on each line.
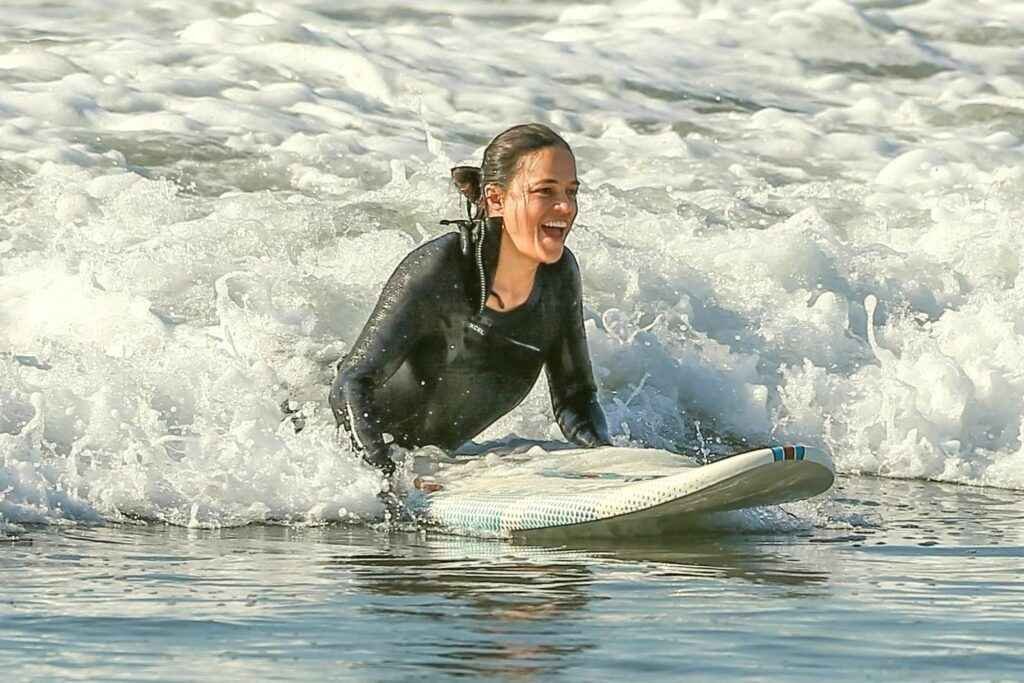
[616, 491]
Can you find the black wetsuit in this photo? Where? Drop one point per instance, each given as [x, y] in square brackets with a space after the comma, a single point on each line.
[435, 366]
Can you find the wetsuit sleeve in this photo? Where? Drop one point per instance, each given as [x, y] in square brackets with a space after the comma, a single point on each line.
[569, 373]
[401, 317]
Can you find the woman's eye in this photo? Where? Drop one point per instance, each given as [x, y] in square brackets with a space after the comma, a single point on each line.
[551, 192]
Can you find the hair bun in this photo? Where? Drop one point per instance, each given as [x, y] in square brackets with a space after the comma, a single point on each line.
[467, 179]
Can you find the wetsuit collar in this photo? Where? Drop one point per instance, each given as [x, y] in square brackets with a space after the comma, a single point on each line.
[485, 250]
[480, 241]
[492, 247]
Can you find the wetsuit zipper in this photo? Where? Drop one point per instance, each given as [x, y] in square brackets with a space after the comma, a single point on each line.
[480, 266]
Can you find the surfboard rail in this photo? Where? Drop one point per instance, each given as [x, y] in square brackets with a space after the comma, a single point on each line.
[650, 506]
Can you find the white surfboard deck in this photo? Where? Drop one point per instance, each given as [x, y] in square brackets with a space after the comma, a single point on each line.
[613, 492]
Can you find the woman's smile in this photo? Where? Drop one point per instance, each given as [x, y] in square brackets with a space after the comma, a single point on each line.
[555, 230]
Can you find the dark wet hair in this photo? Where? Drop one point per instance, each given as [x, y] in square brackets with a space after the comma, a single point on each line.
[501, 161]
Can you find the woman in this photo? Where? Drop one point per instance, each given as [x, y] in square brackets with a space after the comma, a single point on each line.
[466, 321]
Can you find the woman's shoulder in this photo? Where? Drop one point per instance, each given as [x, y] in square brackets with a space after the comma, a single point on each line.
[442, 246]
[440, 254]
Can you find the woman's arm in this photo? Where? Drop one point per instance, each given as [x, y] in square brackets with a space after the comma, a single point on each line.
[570, 376]
[402, 316]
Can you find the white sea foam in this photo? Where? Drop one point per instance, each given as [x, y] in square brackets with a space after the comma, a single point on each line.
[801, 222]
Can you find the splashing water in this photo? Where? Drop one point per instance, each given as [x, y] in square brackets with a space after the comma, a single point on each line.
[201, 203]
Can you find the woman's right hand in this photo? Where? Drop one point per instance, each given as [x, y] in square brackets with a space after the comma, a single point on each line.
[381, 461]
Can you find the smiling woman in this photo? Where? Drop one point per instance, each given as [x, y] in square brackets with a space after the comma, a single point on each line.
[466, 322]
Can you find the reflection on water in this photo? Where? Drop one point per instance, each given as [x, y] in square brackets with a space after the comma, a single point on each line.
[914, 576]
[712, 557]
[494, 614]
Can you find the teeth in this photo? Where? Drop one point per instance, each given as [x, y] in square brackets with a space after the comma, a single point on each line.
[557, 224]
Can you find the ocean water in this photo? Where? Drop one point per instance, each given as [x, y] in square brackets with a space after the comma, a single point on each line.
[925, 587]
[800, 222]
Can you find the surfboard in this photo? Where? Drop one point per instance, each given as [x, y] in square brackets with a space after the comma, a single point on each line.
[612, 492]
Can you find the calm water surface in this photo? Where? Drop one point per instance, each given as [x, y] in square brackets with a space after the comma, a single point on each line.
[927, 586]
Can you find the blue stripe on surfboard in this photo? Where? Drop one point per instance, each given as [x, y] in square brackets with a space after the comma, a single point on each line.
[779, 452]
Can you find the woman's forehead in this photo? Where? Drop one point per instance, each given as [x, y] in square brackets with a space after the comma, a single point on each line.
[549, 163]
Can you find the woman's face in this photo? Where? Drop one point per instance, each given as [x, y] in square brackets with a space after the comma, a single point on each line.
[539, 205]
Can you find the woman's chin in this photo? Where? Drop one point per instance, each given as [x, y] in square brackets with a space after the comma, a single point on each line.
[550, 253]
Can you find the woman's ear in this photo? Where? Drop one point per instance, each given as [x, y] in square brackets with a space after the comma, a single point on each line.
[495, 197]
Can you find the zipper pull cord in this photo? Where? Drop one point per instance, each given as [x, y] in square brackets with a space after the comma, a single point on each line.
[471, 233]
